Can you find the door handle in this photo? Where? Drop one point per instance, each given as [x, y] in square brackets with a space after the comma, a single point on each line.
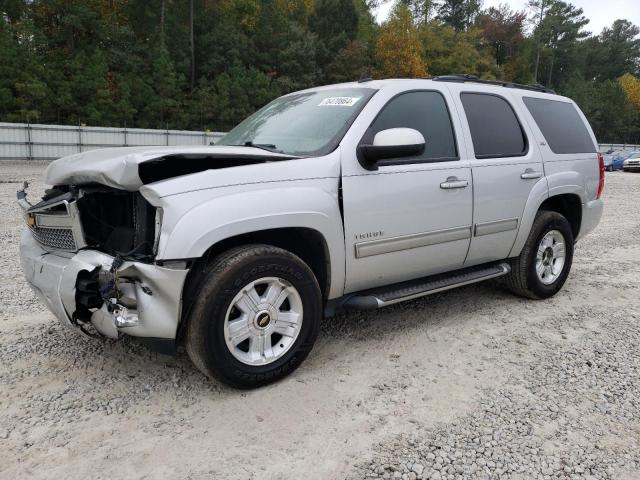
[454, 182]
[529, 174]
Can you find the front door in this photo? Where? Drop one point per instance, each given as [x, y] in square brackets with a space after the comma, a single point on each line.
[412, 216]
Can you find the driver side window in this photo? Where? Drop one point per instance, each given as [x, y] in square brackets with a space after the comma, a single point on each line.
[425, 112]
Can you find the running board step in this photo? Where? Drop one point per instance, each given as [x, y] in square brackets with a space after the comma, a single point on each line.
[399, 292]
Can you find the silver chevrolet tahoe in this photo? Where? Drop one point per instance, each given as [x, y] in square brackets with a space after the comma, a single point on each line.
[358, 196]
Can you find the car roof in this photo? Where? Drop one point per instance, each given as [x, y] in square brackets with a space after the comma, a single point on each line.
[434, 83]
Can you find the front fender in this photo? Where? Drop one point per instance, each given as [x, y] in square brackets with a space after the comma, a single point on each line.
[230, 215]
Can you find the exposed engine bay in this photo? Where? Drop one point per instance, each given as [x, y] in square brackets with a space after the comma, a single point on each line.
[116, 222]
[170, 166]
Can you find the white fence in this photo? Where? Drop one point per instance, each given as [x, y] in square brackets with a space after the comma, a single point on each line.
[605, 147]
[22, 141]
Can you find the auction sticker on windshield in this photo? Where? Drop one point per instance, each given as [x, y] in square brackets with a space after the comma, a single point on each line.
[339, 102]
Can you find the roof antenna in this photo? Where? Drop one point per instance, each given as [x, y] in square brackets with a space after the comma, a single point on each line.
[364, 76]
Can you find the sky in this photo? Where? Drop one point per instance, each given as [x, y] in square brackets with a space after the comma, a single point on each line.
[601, 13]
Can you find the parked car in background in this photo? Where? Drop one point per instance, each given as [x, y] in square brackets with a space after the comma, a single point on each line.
[608, 161]
[632, 164]
[619, 159]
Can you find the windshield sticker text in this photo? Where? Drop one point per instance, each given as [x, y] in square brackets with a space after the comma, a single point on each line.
[339, 102]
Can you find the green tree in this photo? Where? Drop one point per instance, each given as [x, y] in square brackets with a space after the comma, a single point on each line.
[611, 115]
[335, 23]
[161, 108]
[22, 92]
[560, 31]
[449, 51]
[422, 10]
[503, 29]
[350, 63]
[367, 27]
[221, 103]
[616, 52]
[129, 62]
[459, 14]
[283, 49]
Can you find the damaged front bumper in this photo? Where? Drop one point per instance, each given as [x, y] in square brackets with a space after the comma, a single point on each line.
[149, 300]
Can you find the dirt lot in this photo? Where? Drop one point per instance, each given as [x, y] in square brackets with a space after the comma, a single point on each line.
[474, 383]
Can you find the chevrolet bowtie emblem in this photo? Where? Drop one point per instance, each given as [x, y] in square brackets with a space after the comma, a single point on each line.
[263, 320]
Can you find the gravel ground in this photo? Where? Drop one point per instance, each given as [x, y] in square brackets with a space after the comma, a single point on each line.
[473, 383]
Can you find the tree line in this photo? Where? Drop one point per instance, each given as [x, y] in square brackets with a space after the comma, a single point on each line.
[207, 64]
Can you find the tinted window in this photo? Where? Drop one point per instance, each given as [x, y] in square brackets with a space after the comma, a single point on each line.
[561, 125]
[495, 129]
[423, 111]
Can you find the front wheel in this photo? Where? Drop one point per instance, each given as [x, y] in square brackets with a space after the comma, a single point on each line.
[255, 316]
[545, 261]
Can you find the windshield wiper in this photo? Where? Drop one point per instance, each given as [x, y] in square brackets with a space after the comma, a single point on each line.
[263, 146]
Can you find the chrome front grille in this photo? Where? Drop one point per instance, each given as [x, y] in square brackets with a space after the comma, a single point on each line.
[56, 238]
[56, 225]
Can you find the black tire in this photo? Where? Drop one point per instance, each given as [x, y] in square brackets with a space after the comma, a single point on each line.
[523, 279]
[226, 276]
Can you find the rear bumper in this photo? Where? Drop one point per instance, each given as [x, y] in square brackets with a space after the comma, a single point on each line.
[591, 215]
[155, 292]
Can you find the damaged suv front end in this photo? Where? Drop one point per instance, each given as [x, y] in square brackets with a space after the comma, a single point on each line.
[95, 247]
[89, 255]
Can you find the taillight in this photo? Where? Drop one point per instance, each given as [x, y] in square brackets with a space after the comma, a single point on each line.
[601, 182]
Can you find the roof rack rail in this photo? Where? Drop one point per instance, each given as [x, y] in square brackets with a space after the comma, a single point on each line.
[462, 78]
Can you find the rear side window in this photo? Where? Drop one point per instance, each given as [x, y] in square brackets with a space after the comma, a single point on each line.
[423, 111]
[562, 127]
[495, 129]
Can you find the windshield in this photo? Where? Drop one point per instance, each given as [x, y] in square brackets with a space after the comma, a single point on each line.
[302, 124]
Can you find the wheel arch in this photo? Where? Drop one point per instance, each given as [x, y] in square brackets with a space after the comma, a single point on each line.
[569, 205]
[306, 243]
[567, 201]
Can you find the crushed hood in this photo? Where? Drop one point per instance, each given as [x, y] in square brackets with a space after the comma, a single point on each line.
[129, 168]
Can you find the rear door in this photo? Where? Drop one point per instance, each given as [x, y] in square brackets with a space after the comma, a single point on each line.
[412, 216]
[567, 145]
[506, 165]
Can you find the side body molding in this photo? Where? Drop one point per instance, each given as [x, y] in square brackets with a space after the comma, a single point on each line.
[195, 221]
[407, 242]
[488, 228]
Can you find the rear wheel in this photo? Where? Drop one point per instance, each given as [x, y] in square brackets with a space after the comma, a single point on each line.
[545, 261]
[255, 317]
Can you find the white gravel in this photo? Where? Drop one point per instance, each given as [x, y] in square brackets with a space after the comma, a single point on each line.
[474, 383]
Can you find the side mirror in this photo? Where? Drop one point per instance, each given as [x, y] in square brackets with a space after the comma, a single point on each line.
[392, 143]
